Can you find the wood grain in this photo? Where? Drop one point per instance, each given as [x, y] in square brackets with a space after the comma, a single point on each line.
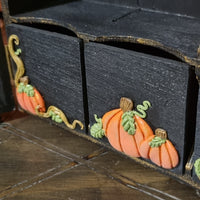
[52, 62]
[37, 167]
[113, 73]
[186, 7]
[95, 21]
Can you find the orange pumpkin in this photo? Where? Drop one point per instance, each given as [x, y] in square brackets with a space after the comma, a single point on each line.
[119, 138]
[159, 150]
[28, 97]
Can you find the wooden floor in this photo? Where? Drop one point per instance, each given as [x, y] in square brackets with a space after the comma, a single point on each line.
[39, 161]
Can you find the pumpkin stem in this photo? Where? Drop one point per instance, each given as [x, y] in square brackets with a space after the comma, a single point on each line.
[126, 104]
[159, 139]
[24, 80]
[161, 133]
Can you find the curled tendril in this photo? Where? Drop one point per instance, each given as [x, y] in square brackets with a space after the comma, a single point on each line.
[13, 39]
[96, 129]
[58, 112]
[142, 109]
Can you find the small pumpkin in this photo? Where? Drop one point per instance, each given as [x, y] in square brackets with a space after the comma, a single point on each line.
[28, 97]
[159, 150]
[124, 128]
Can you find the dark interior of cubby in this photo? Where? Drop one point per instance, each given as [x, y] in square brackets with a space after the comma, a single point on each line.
[6, 96]
[15, 7]
[185, 7]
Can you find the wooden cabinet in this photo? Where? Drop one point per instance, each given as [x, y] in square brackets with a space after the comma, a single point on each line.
[84, 55]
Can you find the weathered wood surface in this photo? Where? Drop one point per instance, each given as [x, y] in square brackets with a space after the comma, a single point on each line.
[185, 7]
[169, 85]
[52, 62]
[99, 22]
[6, 96]
[35, 164]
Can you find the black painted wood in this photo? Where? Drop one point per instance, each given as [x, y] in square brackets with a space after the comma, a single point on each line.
[125, 3]
[185, 7]
[6, 97]
[95, 21]
[112, 73]
[52, 62]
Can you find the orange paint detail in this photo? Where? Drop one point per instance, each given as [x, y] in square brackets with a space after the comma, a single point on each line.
[128, 143]
[31, 103]
[20, 99]
[172, 153]
[119, 138]
[164, 155]
[113, 134]
[145, 147]
[108, 116]
[154, 155]
[146, 129]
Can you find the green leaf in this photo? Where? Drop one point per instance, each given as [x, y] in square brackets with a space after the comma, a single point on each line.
[29, 90]
[21, 88]
[58, 119]
[96, 129]
[51, 113]
[128, 122]
[55, 117]
[197, 167]
[18, 51]
[157, 142]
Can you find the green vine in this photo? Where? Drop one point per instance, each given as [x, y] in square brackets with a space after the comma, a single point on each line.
[96, 129]
[26, 88]
[55, 117]
[142, 109]
[128, 122]
[21, 87]
[29, 90]
[18, 51]
[157, 142]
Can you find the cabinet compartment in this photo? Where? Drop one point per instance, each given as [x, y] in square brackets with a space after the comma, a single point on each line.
[52, 63]
[169, 85]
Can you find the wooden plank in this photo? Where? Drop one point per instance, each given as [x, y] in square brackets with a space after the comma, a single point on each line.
[52, 62]
[22, 160]
[34, 160]
[81, 183]
[113, 73]
[177, 34]
[149, 179]
[68, 142]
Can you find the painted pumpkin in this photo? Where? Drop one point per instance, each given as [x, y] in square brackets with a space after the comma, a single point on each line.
[159, 150]
[124, 128]
[28, 97]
